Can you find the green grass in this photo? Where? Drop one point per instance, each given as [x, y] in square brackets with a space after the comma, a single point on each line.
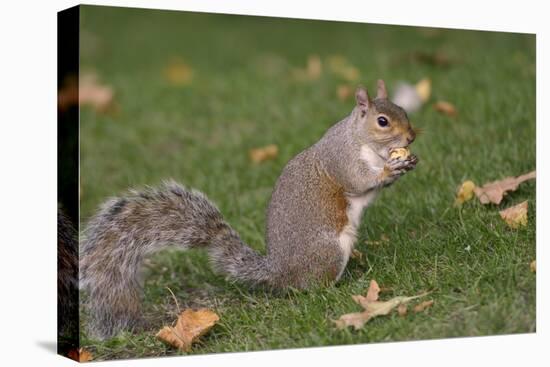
[244, 95]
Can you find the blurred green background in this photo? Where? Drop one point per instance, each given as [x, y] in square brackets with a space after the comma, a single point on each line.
[193, 93]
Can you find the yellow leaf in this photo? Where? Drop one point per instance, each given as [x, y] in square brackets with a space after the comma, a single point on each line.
[190, 326]
[258, 155]
[178, 73]
[465, 192]
[515, 216]
[533, 266]
[424, 89]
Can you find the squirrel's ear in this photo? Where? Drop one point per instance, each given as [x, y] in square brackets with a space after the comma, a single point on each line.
[363, 99]
[382, 93]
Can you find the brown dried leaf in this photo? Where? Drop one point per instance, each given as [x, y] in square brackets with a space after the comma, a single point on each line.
[533, 266]
[402, 309]
[465, 192]
[423, 305]
[67, 95]
[357, 320]
[178, 73]
[493, 192]
[190, 326]
[344, 92]
[372, 295]
[515, 216]
[85, 90]
[372, 307]
[374, 290]
[92, 93]
[258, 155]
[446, 108]
[80, 355]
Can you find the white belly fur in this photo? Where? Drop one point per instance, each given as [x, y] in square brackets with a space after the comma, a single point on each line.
[373, 160]
[354, 212]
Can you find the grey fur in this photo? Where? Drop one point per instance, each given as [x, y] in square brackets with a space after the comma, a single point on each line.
[67, 278]
[127, 229]
[305, 217]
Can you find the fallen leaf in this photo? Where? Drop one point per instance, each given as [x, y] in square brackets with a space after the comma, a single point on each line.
[402, 309]
[314, 67]
[423, 305]
[313, 70]
[372, 307]
[178, 73]
[67, 95]
[372, 295]
[80, 355]
[465, 192]
[424, 89]
[344, 92]
[190, 326]
[446, 108]
[91, 92]
[356, 319]
[258, 155]
[374, 290]
[343, 68]
[515, 216]
[493, 192]
[533, 266]
[85, 90]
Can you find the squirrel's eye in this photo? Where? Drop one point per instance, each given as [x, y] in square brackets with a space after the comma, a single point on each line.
[382, 121]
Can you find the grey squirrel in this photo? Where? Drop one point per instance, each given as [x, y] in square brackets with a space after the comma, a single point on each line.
[312, 218]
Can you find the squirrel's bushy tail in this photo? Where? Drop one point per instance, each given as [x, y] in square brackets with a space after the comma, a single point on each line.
[128, 228]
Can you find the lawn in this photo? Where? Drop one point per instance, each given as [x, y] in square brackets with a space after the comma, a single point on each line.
[244, 93]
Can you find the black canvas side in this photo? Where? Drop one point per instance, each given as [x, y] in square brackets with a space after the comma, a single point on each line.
[68, 22]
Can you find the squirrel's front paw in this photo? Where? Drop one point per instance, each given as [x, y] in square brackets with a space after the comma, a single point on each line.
[397, 167]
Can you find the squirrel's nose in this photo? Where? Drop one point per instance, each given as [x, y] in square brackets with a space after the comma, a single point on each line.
[411, 137]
